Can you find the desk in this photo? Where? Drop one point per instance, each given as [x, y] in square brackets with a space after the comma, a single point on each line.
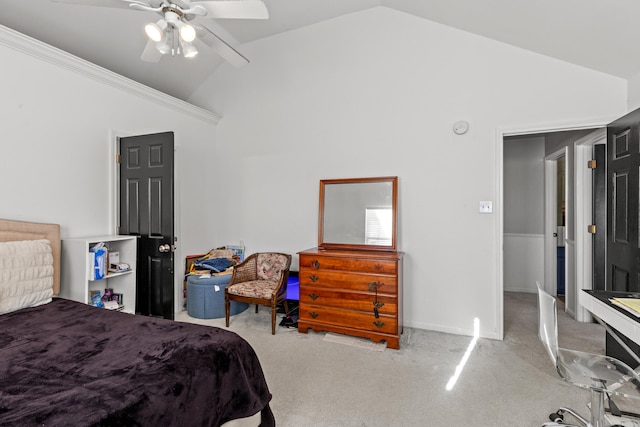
[597, 303]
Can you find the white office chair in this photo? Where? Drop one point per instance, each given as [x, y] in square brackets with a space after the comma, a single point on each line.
[602, 375]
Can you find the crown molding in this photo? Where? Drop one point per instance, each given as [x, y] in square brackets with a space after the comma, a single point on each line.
[37, 49]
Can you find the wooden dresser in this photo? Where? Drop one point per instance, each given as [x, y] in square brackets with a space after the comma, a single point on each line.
[353, 292]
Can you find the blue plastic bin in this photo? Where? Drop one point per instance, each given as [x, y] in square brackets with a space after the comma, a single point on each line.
[205, 297]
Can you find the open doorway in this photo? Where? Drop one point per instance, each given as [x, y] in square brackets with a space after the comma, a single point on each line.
[539, 197]
[561, 215]
[557, 216]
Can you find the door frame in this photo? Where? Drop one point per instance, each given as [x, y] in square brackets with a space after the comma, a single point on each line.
[114, 180]
[501, 134]
[551, 219]
[114, 204]
[583, 149]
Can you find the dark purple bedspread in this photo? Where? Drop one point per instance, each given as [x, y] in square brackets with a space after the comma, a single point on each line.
[70, 364]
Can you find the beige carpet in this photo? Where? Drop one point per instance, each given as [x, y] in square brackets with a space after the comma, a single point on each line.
[317, 382]
[355, 341]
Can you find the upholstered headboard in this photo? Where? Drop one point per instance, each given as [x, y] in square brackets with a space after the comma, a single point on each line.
[22, 230]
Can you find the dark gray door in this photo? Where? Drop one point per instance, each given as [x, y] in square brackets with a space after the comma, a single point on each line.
[146, 211]
[623, 244]
[623, 162]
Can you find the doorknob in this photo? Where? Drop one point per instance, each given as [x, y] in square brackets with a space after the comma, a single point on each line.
[555, 234]
[164, 248]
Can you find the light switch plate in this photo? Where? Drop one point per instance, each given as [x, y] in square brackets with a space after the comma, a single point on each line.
[486, 207]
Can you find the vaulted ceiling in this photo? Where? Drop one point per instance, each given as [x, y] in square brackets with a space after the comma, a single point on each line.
[600, 35]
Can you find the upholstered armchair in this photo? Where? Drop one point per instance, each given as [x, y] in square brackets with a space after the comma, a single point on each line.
[261, 280]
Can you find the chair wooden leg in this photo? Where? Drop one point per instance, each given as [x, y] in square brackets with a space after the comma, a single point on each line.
[273, 320]
[286, 307]
[256, 308]
[227, 309]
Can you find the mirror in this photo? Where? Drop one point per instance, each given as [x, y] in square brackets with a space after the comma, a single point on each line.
[358, 213]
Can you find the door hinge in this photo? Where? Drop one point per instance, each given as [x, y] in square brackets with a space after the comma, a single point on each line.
[591, 164]
[591, 229]
[117, 157]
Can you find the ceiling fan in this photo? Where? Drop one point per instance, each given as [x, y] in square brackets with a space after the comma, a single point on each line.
[176, 31]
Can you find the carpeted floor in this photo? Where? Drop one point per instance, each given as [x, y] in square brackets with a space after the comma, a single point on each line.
[318, 382]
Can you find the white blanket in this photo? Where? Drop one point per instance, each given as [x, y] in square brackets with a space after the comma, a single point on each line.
[26, 274]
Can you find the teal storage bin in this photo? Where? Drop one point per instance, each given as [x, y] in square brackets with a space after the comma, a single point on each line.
[205, 301]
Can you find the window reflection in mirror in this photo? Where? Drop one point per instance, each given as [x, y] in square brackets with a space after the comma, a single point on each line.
[358, 213]
[377, 230]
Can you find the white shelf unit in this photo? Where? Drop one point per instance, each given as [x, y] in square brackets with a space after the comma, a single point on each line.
[78, 278]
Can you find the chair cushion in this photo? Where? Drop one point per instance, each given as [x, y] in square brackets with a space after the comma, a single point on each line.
[269, 266]
[254, 289]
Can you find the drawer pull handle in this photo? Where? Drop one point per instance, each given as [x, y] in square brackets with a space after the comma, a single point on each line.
[378, 304]
[313, 278]
[315, 264]
[374, 286]
[313, 314]
[378, 323]
[378, 267]
[313, 297]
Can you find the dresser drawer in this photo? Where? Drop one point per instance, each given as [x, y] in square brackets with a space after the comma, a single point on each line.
[354, 319]
[348, 300]
[374, 266]
[349, 280]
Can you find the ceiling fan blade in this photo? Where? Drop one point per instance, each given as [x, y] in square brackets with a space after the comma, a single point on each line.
[102, 3]
[122, 4]
[150, 53]
[221, 47]
[234, 9]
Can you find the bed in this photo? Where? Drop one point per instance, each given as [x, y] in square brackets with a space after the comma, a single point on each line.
[65, 363]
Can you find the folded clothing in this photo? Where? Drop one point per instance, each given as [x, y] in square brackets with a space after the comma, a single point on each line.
[215, 264]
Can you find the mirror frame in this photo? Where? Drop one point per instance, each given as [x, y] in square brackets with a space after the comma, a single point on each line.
[322, 244]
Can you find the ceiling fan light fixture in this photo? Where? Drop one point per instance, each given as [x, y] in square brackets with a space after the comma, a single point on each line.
[187, 32]
[163, 47]
[189, 50]
[155, 30]
[175, 33]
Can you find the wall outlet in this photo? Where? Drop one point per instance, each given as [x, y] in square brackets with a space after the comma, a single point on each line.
[486, 207]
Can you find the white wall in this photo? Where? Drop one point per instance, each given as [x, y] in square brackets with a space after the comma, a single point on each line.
[523, 213]
[59, 120]
[634, 93]
[375, 93]
[523, 261]
[524, 185]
